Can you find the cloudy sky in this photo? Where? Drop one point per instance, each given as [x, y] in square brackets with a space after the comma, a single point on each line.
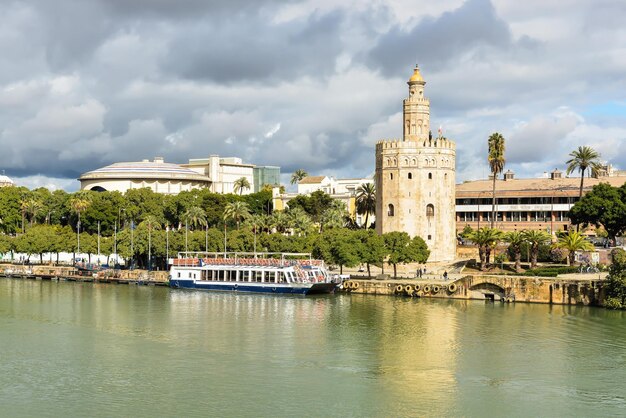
[307, 84]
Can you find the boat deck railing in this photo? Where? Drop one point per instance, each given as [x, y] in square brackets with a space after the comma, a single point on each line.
[241, 261]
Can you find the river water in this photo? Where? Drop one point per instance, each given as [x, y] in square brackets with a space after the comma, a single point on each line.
[71, 349]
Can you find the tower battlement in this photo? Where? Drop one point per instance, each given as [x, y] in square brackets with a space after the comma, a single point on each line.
[438, 143]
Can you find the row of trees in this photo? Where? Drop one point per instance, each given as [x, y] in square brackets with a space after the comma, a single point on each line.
[149, 244]
[487, 239]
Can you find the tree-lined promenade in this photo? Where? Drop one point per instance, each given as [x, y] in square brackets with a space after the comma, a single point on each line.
[141, 225]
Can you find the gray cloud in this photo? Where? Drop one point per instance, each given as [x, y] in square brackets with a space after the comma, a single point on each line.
[224, 53]
[87, 83]
[440, 41]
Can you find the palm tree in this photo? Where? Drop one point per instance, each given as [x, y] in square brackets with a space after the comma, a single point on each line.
[240, 184]
[366, 201]
[298, 175]
[515, 240]
[334, 216]
[236, 211]
[572, 242]
[279, 221]
[299, 220]
[79, 203]
[496, 164]
[535, 239]
[151, 223]
[583, 158]
[485, 239]
[194, 216]
[33, 207]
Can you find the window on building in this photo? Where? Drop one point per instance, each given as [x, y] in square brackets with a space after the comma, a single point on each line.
[430, 210]
[390, 211]
[430, 237]
[390, 176]
[430, 176]
[410, 175]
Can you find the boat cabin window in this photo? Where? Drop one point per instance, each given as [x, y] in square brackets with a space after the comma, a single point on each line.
[258, 276]
[179, 274]
[190, 275]
[244, 276]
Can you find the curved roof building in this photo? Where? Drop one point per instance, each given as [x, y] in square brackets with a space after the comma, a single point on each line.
[161, 177]
[5, 181]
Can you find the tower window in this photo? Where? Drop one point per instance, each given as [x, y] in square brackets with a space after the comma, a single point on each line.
[410, 176]
[430, 210]
[430, 237]
[390, 176]
[430, 176]
[390, 210]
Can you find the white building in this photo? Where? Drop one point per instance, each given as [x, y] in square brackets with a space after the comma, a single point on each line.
[158, 175]
[223, 172]
[5, 181]
[344, 190]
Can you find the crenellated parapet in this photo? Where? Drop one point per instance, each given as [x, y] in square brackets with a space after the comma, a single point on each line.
[434, 143]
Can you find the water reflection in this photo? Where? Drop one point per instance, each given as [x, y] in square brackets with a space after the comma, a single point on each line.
[133, 350]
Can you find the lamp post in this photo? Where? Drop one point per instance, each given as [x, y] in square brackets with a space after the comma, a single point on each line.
[77, 238]
[132, 249]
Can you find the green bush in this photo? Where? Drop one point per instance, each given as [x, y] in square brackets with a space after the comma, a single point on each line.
[550, 271]
[612, 302]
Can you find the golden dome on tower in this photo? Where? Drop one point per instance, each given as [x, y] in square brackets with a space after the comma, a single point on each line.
[416, 75]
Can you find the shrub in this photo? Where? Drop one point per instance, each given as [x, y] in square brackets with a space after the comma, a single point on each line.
[558, 255]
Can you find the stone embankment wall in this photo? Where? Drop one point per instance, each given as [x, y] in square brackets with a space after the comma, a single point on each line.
[68, 271]
[498, 288]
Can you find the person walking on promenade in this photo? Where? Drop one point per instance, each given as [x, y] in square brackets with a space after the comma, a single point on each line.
[445, 275]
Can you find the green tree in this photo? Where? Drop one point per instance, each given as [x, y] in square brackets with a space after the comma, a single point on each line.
[582, 159]
[535, 239]
[372, 249]
[515, 240]
[366, 201]
[150, 223]
[402, 249]
[496, 164]
[603, 205]
[299, 221]
[240, 184]
[298, 175]
[615, 285]
[486, 239]
[334, 216]
[338, 246]
[79, 203]
[236, 211]
[573, 241]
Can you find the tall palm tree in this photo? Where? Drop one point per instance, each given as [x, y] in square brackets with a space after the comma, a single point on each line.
[236, 211]
[515, 240]
[240, 184]
[195, 216]
[583, 158]
[366, 201]
[573, 241]
[298, 175]
[496, 164]
[151, 223]
[535, 239]
[32, 207]
[79, 203]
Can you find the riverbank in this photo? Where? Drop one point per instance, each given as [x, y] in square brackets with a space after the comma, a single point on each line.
[577, 290]
[69, 273]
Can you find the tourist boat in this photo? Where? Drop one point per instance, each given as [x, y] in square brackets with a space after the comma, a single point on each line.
[289, 273]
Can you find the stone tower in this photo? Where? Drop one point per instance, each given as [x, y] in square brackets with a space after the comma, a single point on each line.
[415, 179]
